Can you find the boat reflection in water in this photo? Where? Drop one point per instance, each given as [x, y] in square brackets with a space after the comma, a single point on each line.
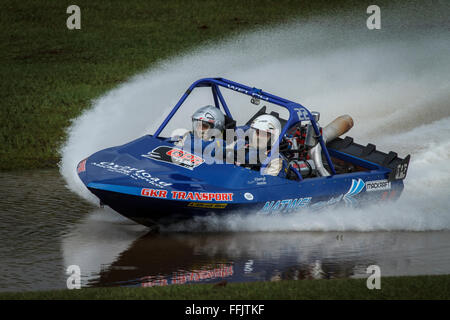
[112, 251]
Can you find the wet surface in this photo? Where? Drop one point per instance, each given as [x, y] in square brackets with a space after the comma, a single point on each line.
[45, 228]
[270, 256]
[35, 212]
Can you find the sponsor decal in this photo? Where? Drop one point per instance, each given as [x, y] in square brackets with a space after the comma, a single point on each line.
[175, 156]
[329, 202]
[285, 205]
[237, 89]
[378, 185]
[356, 187]
[258, 181]
[81, 166]
[254, 94]
[291, 204]
[209, 117]
[134, 173]
[187, 195]
[259, 96]
[248, 196]
[207, 205]
[202, 196]
[154, 193]
[220, 271]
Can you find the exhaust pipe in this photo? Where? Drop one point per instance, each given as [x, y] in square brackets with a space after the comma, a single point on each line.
[334, 129]
[337, 127]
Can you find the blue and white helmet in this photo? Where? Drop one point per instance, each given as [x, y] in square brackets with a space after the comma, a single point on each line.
[208, 121]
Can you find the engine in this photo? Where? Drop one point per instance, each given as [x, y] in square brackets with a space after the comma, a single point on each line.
[303, 150]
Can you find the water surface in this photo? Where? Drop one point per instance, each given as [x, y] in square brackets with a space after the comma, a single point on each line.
[45, 228]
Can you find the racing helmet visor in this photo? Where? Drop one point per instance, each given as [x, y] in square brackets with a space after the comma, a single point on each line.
[201, 128]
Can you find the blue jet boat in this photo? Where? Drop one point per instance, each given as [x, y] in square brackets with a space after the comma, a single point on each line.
[153, 181]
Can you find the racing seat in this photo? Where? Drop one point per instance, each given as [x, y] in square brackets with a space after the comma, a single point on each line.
[277, 115]
[229, 124]
[259, 113]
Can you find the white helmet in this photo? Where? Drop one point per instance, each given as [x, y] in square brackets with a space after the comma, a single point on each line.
[268, 124]
[206, 120]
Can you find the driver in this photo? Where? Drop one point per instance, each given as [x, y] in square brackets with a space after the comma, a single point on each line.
[208, 124]
[264, 131]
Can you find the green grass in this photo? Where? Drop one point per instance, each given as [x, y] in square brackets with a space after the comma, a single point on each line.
[50, 74]
[415, 287]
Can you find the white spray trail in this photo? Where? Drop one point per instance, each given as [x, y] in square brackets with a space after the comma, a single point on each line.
[395, 86]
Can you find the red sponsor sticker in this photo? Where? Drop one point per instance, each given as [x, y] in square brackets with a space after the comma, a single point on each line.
[187, 195]
[184, 156]
[82, 166]
[202, 196]
[154, 193]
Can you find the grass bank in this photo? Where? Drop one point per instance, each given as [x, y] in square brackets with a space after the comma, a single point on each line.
[50, 74]
[411, 287]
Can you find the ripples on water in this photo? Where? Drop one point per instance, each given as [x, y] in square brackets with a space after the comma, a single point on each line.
[36, 210]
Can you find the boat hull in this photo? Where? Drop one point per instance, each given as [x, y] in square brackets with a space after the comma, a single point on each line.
[158, 192]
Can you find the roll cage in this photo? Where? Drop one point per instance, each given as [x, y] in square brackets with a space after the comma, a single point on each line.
[297, 112]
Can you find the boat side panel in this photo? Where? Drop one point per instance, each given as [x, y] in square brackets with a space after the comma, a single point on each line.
[152, 211]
